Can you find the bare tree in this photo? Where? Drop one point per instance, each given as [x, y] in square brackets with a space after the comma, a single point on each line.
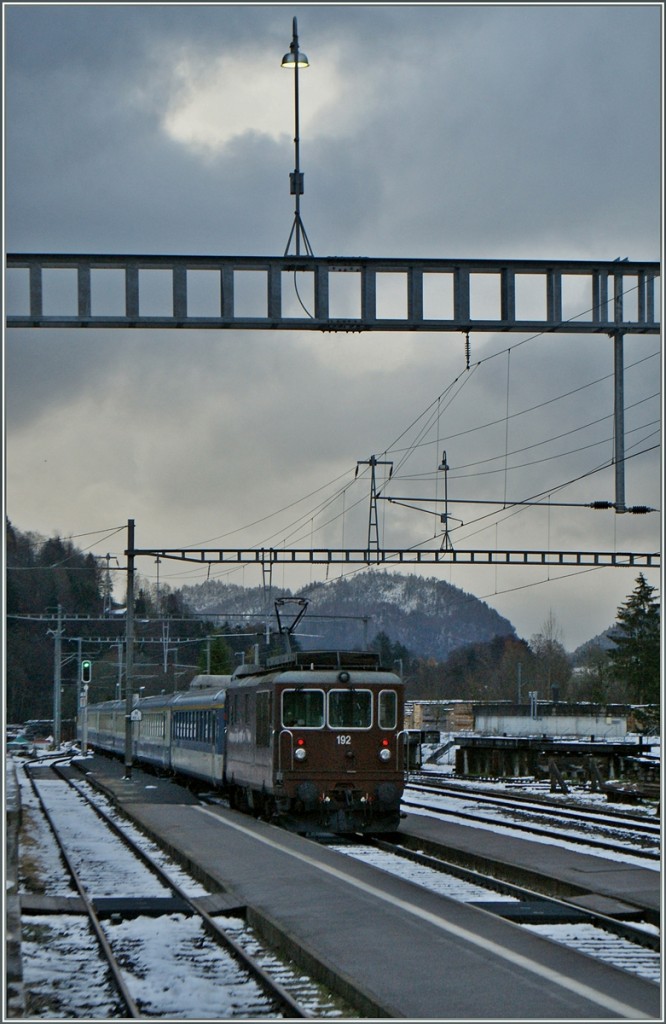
[552, 668]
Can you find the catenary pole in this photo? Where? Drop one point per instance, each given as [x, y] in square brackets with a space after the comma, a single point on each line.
[129, 644]
[57, 682]
[618, 340]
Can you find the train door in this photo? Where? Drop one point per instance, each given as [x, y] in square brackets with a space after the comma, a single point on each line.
[218, 738]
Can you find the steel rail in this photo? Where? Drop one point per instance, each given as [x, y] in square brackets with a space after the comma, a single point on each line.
[270, 987]
[533, 830]
[95, 923]
[625, 930]
[526, 804]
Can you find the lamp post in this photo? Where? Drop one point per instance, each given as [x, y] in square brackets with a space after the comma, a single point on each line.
[295, 60]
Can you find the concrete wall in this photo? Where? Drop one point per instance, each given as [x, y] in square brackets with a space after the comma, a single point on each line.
[602, 727]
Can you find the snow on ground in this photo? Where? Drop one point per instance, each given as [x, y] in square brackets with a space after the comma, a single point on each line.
[558, 838]
[445, 768]
[64, 980]
[60, 976]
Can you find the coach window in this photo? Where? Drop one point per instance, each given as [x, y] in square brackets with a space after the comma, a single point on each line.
[350, 709]
[304, 708]
[388, 709]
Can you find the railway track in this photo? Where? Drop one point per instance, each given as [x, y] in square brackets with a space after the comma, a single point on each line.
[160, 952]
[547, 802]
[629, 947]
[609, 832]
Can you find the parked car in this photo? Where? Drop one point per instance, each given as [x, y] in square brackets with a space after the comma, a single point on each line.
[20, 744]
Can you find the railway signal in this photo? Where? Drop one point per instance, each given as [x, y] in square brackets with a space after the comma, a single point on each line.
[86, 671]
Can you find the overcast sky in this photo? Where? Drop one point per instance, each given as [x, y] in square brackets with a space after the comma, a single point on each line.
[529, 131]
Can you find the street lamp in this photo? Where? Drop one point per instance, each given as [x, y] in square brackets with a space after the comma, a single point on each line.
[295, 60]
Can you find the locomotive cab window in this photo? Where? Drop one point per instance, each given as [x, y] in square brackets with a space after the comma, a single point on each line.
[388, 709]
[350, 709]
[303, 708]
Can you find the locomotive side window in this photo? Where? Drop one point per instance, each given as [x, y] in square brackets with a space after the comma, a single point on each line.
[350, 709]
[388, 709]
[304, 708]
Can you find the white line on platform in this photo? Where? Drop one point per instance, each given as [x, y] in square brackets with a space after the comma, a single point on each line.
[516, 959]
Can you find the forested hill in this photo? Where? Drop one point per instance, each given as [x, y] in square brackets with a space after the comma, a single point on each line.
[430, 617]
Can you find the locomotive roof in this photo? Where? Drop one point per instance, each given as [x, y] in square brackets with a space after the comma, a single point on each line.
[314, 667]
[368, 660]
[209, 682]
[211, 688]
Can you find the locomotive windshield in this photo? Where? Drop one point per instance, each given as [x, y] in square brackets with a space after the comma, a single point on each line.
[350, 709]
[304, 708]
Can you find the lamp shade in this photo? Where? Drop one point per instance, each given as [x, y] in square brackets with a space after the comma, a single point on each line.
[292, 60]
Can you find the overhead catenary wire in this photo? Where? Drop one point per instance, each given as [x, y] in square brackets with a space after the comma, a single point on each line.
[108, 532]
[528, 409]
[546, 458]
[434, 409]
[512, 510]
[549, 440]
[451, 393]
[425, 421]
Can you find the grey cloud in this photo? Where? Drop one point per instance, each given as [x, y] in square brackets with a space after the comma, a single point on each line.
[501, 130]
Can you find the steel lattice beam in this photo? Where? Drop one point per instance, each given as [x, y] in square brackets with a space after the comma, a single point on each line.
[431, 294]
[398, 556]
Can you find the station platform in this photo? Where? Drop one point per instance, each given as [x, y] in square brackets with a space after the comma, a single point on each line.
[614, 887]
[409, 953]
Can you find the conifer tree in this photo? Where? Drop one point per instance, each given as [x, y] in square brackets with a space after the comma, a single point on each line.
[221, 657]
[635, 659]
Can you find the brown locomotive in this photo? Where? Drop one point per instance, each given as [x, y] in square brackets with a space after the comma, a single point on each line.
[316, 737]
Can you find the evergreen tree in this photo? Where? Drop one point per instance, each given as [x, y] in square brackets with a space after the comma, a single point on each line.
[42, 574]
[221, 657]
[390, 654]
[593, 680]
[635, 659]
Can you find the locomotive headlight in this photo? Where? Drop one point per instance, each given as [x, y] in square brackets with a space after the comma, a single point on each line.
[385, 754]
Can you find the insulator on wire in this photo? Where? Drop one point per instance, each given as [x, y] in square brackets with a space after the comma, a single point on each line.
[467, 350]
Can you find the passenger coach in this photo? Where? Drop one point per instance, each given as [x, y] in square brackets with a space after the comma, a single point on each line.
[313, 739]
